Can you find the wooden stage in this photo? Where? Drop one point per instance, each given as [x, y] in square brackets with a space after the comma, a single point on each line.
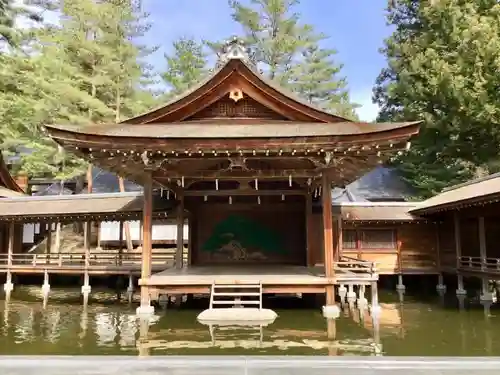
[274, 278]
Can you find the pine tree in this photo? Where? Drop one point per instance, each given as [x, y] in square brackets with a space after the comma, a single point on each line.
[443, 68]
[186, 66]
[316, 80]
[290, 53]
[85, 70]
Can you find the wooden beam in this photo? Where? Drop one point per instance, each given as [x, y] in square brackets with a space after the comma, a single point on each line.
[242, 192]
[211, 175]
[180, 233]
[326, 196]
[147, 229]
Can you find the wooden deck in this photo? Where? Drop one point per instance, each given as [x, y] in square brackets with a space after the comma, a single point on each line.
[274, 278]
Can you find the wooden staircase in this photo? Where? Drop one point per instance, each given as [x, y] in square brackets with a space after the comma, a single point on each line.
[236, 295]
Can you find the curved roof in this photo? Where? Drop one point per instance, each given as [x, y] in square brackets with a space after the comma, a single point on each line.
[235, 71]
[6, 180]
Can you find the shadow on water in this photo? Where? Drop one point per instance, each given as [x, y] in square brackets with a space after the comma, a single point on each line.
[413, 326]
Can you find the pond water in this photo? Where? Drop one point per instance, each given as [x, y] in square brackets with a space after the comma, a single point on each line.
[412, 327]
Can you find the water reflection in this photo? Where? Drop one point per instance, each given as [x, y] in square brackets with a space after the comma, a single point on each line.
[405, 326]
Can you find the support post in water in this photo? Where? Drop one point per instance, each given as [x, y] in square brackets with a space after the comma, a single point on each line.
[130, 288]
[86, 288]
[9, 285]
[400, 285]
[375, 307]
[146, 309]
[362, 301]
[330, 310]
[45, 288]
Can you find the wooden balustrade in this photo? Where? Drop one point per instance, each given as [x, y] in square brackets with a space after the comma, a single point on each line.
[77, 259]
[477, 264]
[347, 267]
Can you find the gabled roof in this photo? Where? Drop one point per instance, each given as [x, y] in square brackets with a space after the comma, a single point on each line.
[237, 71]
[236, 80]
[481, 190]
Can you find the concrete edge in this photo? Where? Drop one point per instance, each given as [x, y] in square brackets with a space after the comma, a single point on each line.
[277, 362]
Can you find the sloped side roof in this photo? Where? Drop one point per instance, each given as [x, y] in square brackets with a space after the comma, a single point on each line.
[81, 206]
[376, 211]
[6, 180]
[482, 190]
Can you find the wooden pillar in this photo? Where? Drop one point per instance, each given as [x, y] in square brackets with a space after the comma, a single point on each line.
[339, 244]
[180, 233]
[328, 249]
[48, 247]
[86, 241]
[190, 238]
[438, 247]
[309, 230]
[458, 244]
[120, 243]
[147, 229]
[10, 248]
[482, 242]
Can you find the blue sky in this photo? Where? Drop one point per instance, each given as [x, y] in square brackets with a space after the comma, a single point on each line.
[357, 29]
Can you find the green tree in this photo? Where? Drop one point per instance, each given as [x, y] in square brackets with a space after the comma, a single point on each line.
[290, 53]
[84, 70]
[316, 80]
[443, 63]
[186, 66]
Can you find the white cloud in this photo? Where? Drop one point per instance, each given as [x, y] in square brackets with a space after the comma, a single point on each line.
[368, 110]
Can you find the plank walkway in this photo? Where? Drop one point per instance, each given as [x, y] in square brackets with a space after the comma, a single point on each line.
[235, 365]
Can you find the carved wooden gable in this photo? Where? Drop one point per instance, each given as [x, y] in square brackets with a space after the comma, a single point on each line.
[242, 108]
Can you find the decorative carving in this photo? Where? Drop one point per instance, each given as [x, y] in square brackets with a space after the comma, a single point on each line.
[235, 94]
[237, 163]
[234, 48]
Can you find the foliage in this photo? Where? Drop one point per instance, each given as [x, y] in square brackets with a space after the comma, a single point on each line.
[84, 70]
[444, 58]
[186, 66]
[290, 53]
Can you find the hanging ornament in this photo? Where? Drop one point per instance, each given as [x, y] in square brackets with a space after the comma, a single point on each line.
[256, 184]
[282, 197]
[182, 181]
[205, 198]
[216, 184]
[168, 194]
[290, 180]
[258, 199]
[230, 200]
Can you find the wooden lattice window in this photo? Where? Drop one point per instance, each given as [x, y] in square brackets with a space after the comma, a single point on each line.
[349, 239]
[366, 239]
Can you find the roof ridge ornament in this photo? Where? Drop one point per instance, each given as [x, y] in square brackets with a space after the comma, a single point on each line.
[234, 49]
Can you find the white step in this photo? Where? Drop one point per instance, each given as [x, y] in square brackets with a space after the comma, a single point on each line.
[232, 302]
[235, 294]
[229, 286]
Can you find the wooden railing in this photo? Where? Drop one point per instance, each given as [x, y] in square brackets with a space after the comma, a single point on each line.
[479, 264]
[78, 259]
[355, 267]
